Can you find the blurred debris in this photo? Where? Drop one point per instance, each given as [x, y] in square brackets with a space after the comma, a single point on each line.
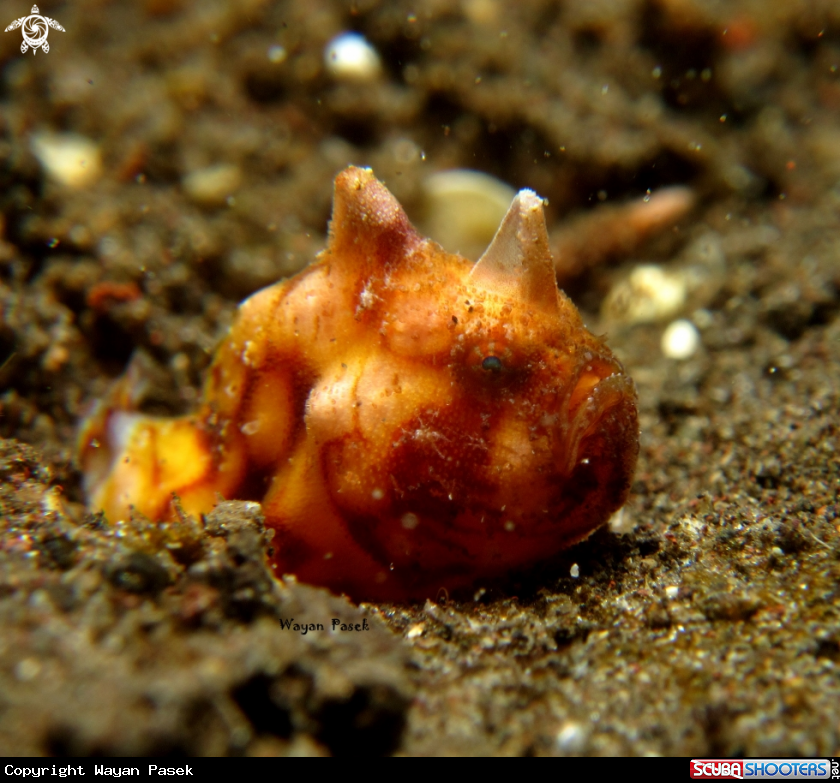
[614, 232]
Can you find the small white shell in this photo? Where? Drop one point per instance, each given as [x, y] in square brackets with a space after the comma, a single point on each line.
[464, 208]
[350, 57]
[212, 186]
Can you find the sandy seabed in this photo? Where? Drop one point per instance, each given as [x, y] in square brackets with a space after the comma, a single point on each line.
[704, 622]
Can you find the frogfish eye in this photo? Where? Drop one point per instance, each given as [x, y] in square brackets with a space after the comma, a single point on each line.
[492, 364]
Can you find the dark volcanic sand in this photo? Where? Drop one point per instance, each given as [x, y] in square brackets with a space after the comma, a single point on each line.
[706, 625]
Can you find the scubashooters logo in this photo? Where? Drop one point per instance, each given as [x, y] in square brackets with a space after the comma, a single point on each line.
[36, 28]
[762, 769]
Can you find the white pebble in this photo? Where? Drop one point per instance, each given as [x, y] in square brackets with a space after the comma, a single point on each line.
[680, 340]
[671, 592]
[574, 571]
[571, 737]
[620, 523]
[650, 293]
[213, 185]
[70, 159]
[350, 57]
[276, 54]
[27, 669]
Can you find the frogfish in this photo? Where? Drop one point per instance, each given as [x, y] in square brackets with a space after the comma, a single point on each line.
[409, 421]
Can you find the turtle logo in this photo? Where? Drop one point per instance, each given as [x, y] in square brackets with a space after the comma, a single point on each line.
[35, 30]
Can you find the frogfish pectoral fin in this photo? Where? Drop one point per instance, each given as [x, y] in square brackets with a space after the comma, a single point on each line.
[133, 460]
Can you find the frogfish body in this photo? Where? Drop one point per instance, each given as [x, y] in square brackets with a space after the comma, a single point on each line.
[408, 420]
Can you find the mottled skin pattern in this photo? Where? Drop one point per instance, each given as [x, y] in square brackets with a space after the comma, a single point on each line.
[408, 420]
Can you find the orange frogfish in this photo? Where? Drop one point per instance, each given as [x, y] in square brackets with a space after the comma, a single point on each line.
[409, 420]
